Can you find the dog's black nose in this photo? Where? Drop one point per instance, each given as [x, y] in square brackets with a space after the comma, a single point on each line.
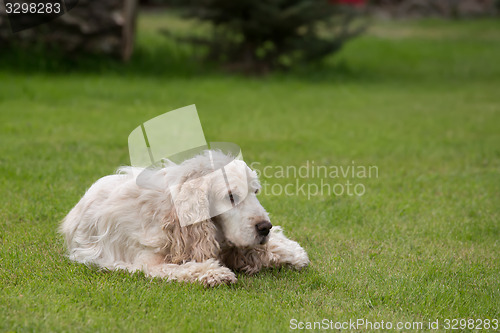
[263, 228]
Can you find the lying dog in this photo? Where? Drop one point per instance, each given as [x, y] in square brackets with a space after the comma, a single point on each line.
[209, 227]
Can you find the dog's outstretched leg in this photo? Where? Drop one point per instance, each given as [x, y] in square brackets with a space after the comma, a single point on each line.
[283, 251]
[210, 273]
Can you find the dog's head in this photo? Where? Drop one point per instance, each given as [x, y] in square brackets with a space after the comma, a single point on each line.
[221, 190]
[243, 220]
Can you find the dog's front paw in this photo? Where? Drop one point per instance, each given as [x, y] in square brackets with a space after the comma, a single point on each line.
[219, 276]
[301, 260]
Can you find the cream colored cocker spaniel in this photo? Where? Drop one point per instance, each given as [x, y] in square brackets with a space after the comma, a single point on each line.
[191, 225]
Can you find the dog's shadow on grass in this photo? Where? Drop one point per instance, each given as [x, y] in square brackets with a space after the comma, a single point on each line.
[305, 280]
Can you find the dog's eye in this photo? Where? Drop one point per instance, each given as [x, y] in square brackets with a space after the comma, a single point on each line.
[257, 191]
[233, 197]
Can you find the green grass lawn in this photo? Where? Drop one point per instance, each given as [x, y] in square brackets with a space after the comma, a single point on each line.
[420, 100]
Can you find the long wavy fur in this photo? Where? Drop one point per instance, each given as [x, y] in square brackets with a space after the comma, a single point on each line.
[120, 225]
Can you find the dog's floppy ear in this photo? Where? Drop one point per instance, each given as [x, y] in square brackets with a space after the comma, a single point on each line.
[193, 238]
[190, 231]
[190, 200]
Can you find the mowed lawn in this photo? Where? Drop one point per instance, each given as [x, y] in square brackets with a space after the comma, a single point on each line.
[421, 101]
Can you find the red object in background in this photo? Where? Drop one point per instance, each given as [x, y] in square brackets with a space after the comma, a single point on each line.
[349, 2]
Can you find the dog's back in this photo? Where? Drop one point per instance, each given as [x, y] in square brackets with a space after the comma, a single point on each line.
[94, 221]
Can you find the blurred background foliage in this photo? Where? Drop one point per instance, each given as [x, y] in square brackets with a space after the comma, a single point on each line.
[257, 36]
[243, 36]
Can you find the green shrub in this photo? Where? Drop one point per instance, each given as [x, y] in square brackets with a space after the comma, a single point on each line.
[257, 36]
